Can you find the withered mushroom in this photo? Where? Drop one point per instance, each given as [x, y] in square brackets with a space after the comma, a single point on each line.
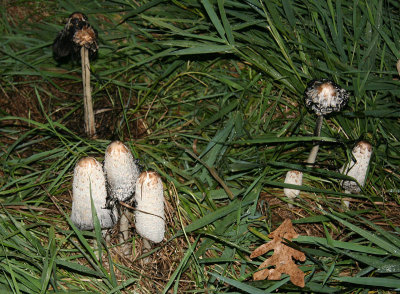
[79, 38]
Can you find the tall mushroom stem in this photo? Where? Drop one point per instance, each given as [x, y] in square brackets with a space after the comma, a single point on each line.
[87, 93]
[317, 132]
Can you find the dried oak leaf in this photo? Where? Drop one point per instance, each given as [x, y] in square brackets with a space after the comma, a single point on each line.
[282, 258]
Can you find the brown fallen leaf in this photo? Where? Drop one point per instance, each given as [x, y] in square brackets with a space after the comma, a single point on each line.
[282, 258]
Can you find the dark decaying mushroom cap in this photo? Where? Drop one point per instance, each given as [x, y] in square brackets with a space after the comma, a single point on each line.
[76, 33]
[324, 96]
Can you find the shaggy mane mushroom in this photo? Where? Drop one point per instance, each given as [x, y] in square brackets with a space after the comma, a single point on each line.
[121, 172]
[357, 169]
[149, 213]
[89, 181]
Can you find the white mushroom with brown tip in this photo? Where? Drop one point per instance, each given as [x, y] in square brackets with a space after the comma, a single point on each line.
[357, 169]
[89, 181]
[322, 97]
[293, 177]
[149, 213]
[121, 173]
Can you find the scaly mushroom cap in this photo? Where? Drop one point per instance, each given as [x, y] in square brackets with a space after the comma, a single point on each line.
[324, 96]
[76, 33]
[293, 177]
[149, 214]
[86, 37]
[362, 153]
[89, 180]
[121, 171]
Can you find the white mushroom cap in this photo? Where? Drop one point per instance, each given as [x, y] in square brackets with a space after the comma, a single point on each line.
[121, 171]
[89, 180]
[293, 177]
[362, 153]
[149, 214]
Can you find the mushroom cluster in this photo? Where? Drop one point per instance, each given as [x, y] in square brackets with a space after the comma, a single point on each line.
[118, 181]
[324, 97]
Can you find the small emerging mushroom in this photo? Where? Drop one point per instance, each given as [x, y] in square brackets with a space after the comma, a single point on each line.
[293, 177]
[322, 97]
[121, 172]
[398, 66]
[149, 213]
[361, 152]
[89, 181]
[79, 38]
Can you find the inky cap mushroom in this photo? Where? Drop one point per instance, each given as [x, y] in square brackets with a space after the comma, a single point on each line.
[89, 180]
[121, 171]
[149, 214]
[358, 170]
[86, 37]
[324, 96]
[293, 177]
[76, 33]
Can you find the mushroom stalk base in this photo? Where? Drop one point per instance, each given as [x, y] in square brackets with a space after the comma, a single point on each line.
[87, 94]
[124, 231]
[317, 133]
[147, 248]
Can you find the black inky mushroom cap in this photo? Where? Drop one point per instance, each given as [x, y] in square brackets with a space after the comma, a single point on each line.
[324, 96]
[76, 33]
